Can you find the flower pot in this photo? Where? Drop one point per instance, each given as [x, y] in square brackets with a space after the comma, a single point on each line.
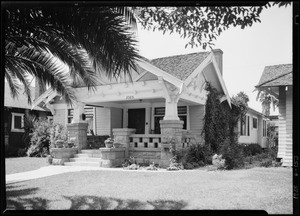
[108, 145]
[117, 145]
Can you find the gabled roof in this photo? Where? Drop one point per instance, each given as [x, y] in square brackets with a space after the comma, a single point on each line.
[276, 75]
[180, 66]
[19, 102]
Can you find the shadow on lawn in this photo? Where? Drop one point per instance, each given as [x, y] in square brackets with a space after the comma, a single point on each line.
[19, 198]
[15, 199]
[105, 203]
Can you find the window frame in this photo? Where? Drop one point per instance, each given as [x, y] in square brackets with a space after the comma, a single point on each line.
[254, 128]
[245, 131]
[13, 129]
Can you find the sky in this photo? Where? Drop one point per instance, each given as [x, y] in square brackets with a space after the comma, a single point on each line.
[245, 51]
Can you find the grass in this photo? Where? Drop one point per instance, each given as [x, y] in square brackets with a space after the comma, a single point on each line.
[23, 164]
[267, 189]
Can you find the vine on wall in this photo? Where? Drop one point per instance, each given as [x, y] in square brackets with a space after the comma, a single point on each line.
[220, 121]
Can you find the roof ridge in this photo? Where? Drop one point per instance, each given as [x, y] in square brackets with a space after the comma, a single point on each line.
[278, 65]
[179, 55]
[282, 75]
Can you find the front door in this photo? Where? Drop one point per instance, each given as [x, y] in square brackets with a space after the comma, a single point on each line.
[136, 119]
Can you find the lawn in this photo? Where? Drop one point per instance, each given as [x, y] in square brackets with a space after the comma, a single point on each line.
[23, 164]
[267, 189]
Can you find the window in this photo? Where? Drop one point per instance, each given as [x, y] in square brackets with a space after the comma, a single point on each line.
[254, 123]
[264, 128]
[17, 122]
[159, 113]
[245, 126]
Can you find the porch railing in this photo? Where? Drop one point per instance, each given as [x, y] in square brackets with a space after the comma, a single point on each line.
[143, 141]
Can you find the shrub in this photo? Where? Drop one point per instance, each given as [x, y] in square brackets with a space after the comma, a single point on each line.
[218, 161]
[151, 167]
[233, 154]
[266, 163]
[22, 152]
[39, 142]
[252, 149]
[58, 132]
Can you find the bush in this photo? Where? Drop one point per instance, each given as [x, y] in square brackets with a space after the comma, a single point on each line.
[252, 149]
[218, 161]
[39, 143]
[266, 163]
[22, 152]
[233, 154]
[58, 132]
[193, 156]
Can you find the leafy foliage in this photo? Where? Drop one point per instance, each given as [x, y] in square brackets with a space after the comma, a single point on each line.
[38, 41]
[266, 101]
[39, 143]
[58, 132]
[220, 124]
[252, 149]
[29, 120]
[202, 25]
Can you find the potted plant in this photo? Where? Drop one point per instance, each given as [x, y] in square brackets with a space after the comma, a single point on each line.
[109, 142]
[59, 143]
[117, 145]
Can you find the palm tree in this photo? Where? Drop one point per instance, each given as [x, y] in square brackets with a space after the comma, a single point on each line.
[39, 42]
[266, 101]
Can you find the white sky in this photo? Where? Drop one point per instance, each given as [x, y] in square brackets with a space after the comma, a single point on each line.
[245, 52]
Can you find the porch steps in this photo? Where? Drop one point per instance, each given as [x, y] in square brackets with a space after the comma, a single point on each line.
[90, 158]
[88, 164]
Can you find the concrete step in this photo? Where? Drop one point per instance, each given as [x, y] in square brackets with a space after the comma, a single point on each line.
[91, 151]
[89, 155]
[85, 159]
[81, 155]
[88, 164]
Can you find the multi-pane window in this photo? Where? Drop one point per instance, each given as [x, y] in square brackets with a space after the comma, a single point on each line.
[17, 122]
[264, 128]
[254, 123]
[159, 113]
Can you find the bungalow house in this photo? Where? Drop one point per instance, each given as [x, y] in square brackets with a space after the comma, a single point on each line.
[13, 115]
[278, 81]
[163, 103]
[253, 128]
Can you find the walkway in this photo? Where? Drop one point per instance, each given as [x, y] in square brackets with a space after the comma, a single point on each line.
[49, 171]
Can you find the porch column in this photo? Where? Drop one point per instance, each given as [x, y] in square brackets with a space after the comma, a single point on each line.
[171, 110]
[147, 123]
[78, 128]
[121, 135]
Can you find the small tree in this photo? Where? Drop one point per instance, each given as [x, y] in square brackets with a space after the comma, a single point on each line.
[39, 143]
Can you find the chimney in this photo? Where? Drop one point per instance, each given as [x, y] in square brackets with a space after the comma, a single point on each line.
[39, 88]
[218, 53]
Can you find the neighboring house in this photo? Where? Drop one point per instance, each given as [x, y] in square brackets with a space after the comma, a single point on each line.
[278, 81]
[253, 128]
[13, 113]
[162, 88]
